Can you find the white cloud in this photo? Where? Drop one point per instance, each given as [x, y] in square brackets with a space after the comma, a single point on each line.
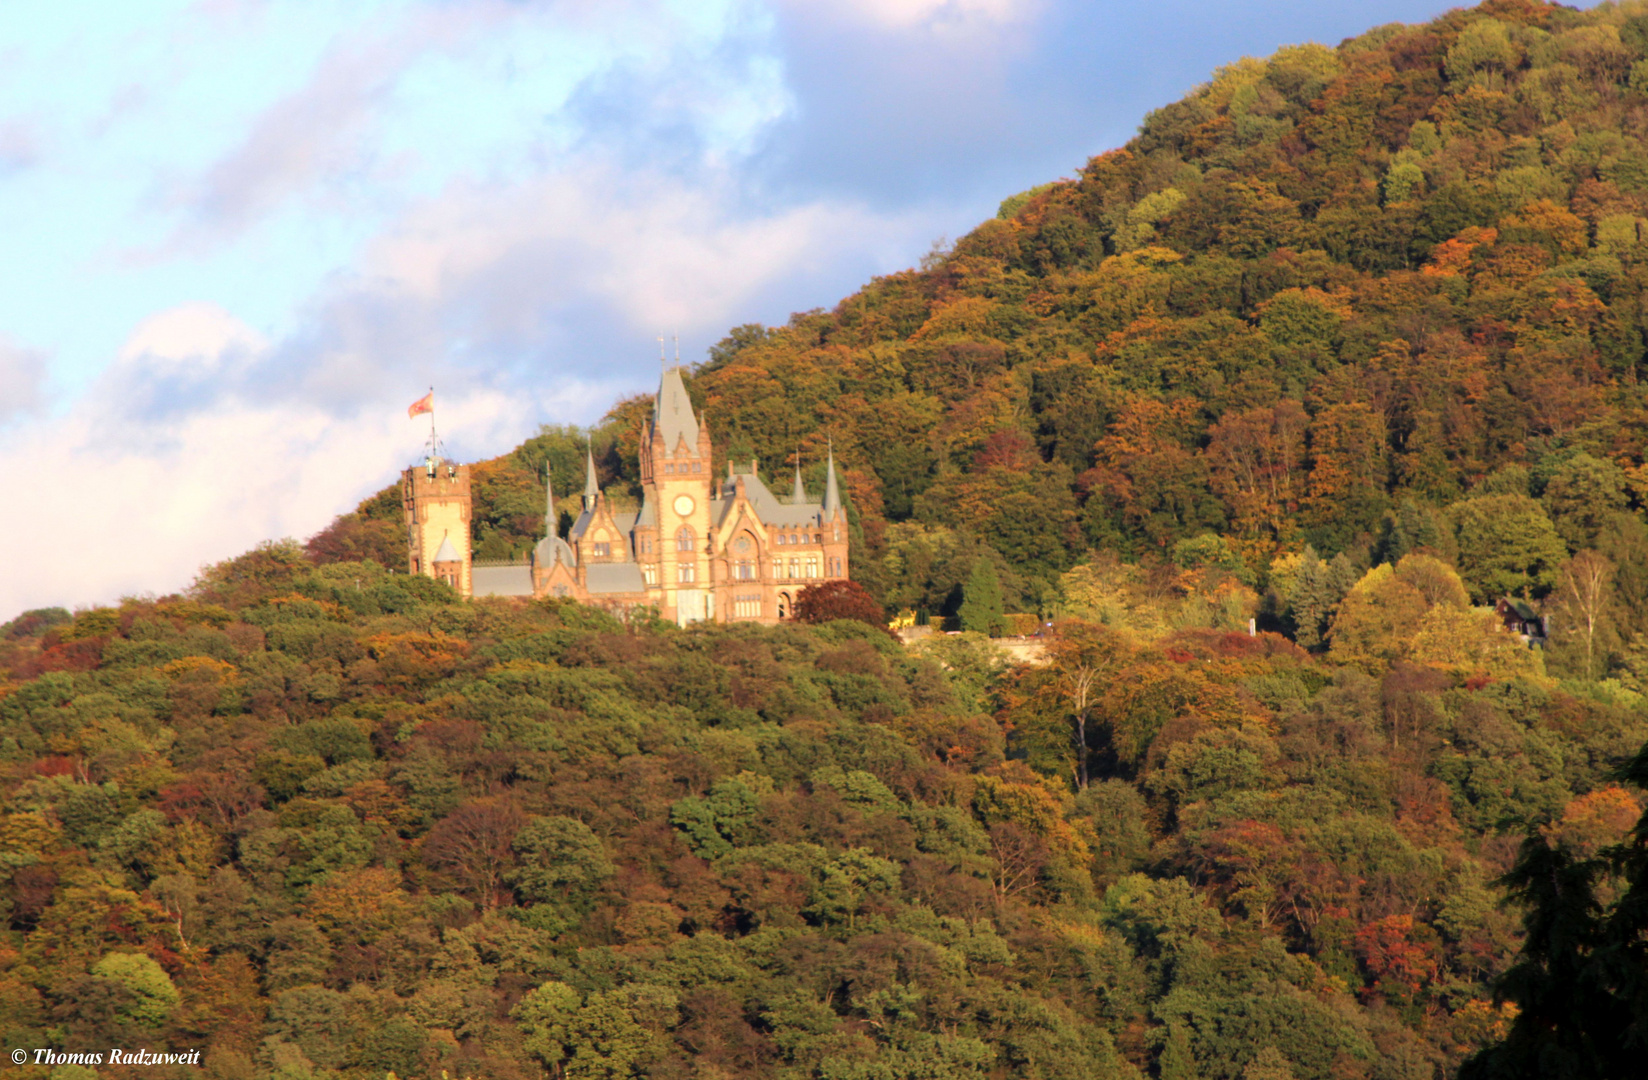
[198, 333]
[655, 249]
[22, 379]
[118, 506]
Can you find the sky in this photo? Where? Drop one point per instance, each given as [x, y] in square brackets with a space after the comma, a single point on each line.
[241, 236]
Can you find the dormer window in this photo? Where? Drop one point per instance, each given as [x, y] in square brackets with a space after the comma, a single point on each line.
[603, 549]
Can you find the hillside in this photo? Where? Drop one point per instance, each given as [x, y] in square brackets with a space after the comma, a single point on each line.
[1345, 342]
[1332, 297]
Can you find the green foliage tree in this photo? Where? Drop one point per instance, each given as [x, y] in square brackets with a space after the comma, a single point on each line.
[1507, 546]
[981, 607]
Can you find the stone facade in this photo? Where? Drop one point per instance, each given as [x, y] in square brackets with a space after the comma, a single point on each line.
[435, 507]
[700, 547]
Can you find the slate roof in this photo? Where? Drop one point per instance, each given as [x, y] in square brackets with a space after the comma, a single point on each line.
[446, 552]
[767, 506]
[672, 415]
[501, 580]
[623, 577]
[552, 549]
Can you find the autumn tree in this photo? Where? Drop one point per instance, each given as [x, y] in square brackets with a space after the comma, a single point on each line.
[831, 600]
[1579, 609]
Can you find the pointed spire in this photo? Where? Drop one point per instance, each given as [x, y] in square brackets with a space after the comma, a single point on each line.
[832, 491]
[672, 413]
[799, 496]
[591, 488]
[550, 528]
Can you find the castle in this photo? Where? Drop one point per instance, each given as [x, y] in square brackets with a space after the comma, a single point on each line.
[698, 549]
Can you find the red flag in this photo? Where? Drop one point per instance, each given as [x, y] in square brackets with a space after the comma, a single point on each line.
[422, 405]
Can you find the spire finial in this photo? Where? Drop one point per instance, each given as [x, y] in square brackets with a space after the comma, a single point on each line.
[661, 360]
[676, 338]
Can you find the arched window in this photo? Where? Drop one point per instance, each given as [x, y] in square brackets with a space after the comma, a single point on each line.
[684, 540]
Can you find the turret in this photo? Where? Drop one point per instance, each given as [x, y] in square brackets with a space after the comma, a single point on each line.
[592, 489]
[832, 492]
[799, 496]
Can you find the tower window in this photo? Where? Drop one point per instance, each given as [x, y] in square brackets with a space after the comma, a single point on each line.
[649, 574]
[684, 540]
[686, 573]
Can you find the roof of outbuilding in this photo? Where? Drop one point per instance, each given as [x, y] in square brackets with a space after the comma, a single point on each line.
[624, 577]
[501, 580]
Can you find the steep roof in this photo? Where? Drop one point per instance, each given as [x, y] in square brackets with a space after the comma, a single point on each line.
[591, 488]
[446, 552]
[832, 492]
[766, 505]
[672, 415]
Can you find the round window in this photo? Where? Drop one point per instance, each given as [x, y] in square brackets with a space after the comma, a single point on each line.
[743, 545]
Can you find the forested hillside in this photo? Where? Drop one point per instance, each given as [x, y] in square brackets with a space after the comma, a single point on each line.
[1347, 342]
[1335, 298]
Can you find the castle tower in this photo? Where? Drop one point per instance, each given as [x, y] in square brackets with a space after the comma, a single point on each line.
[435, 503]
[675, 475]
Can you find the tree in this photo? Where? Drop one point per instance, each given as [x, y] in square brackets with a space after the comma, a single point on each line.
[1081, 684]
[352, 538]
[473, 844]
[1507, 546]
[1581, 603]
[1312, 591]
[831, 600]
[1580, 984]
[981, 610]
[561, 860]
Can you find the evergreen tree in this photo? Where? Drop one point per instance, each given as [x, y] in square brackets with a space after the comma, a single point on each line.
[981, 599]
[1581, 982]
[1318, 587]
